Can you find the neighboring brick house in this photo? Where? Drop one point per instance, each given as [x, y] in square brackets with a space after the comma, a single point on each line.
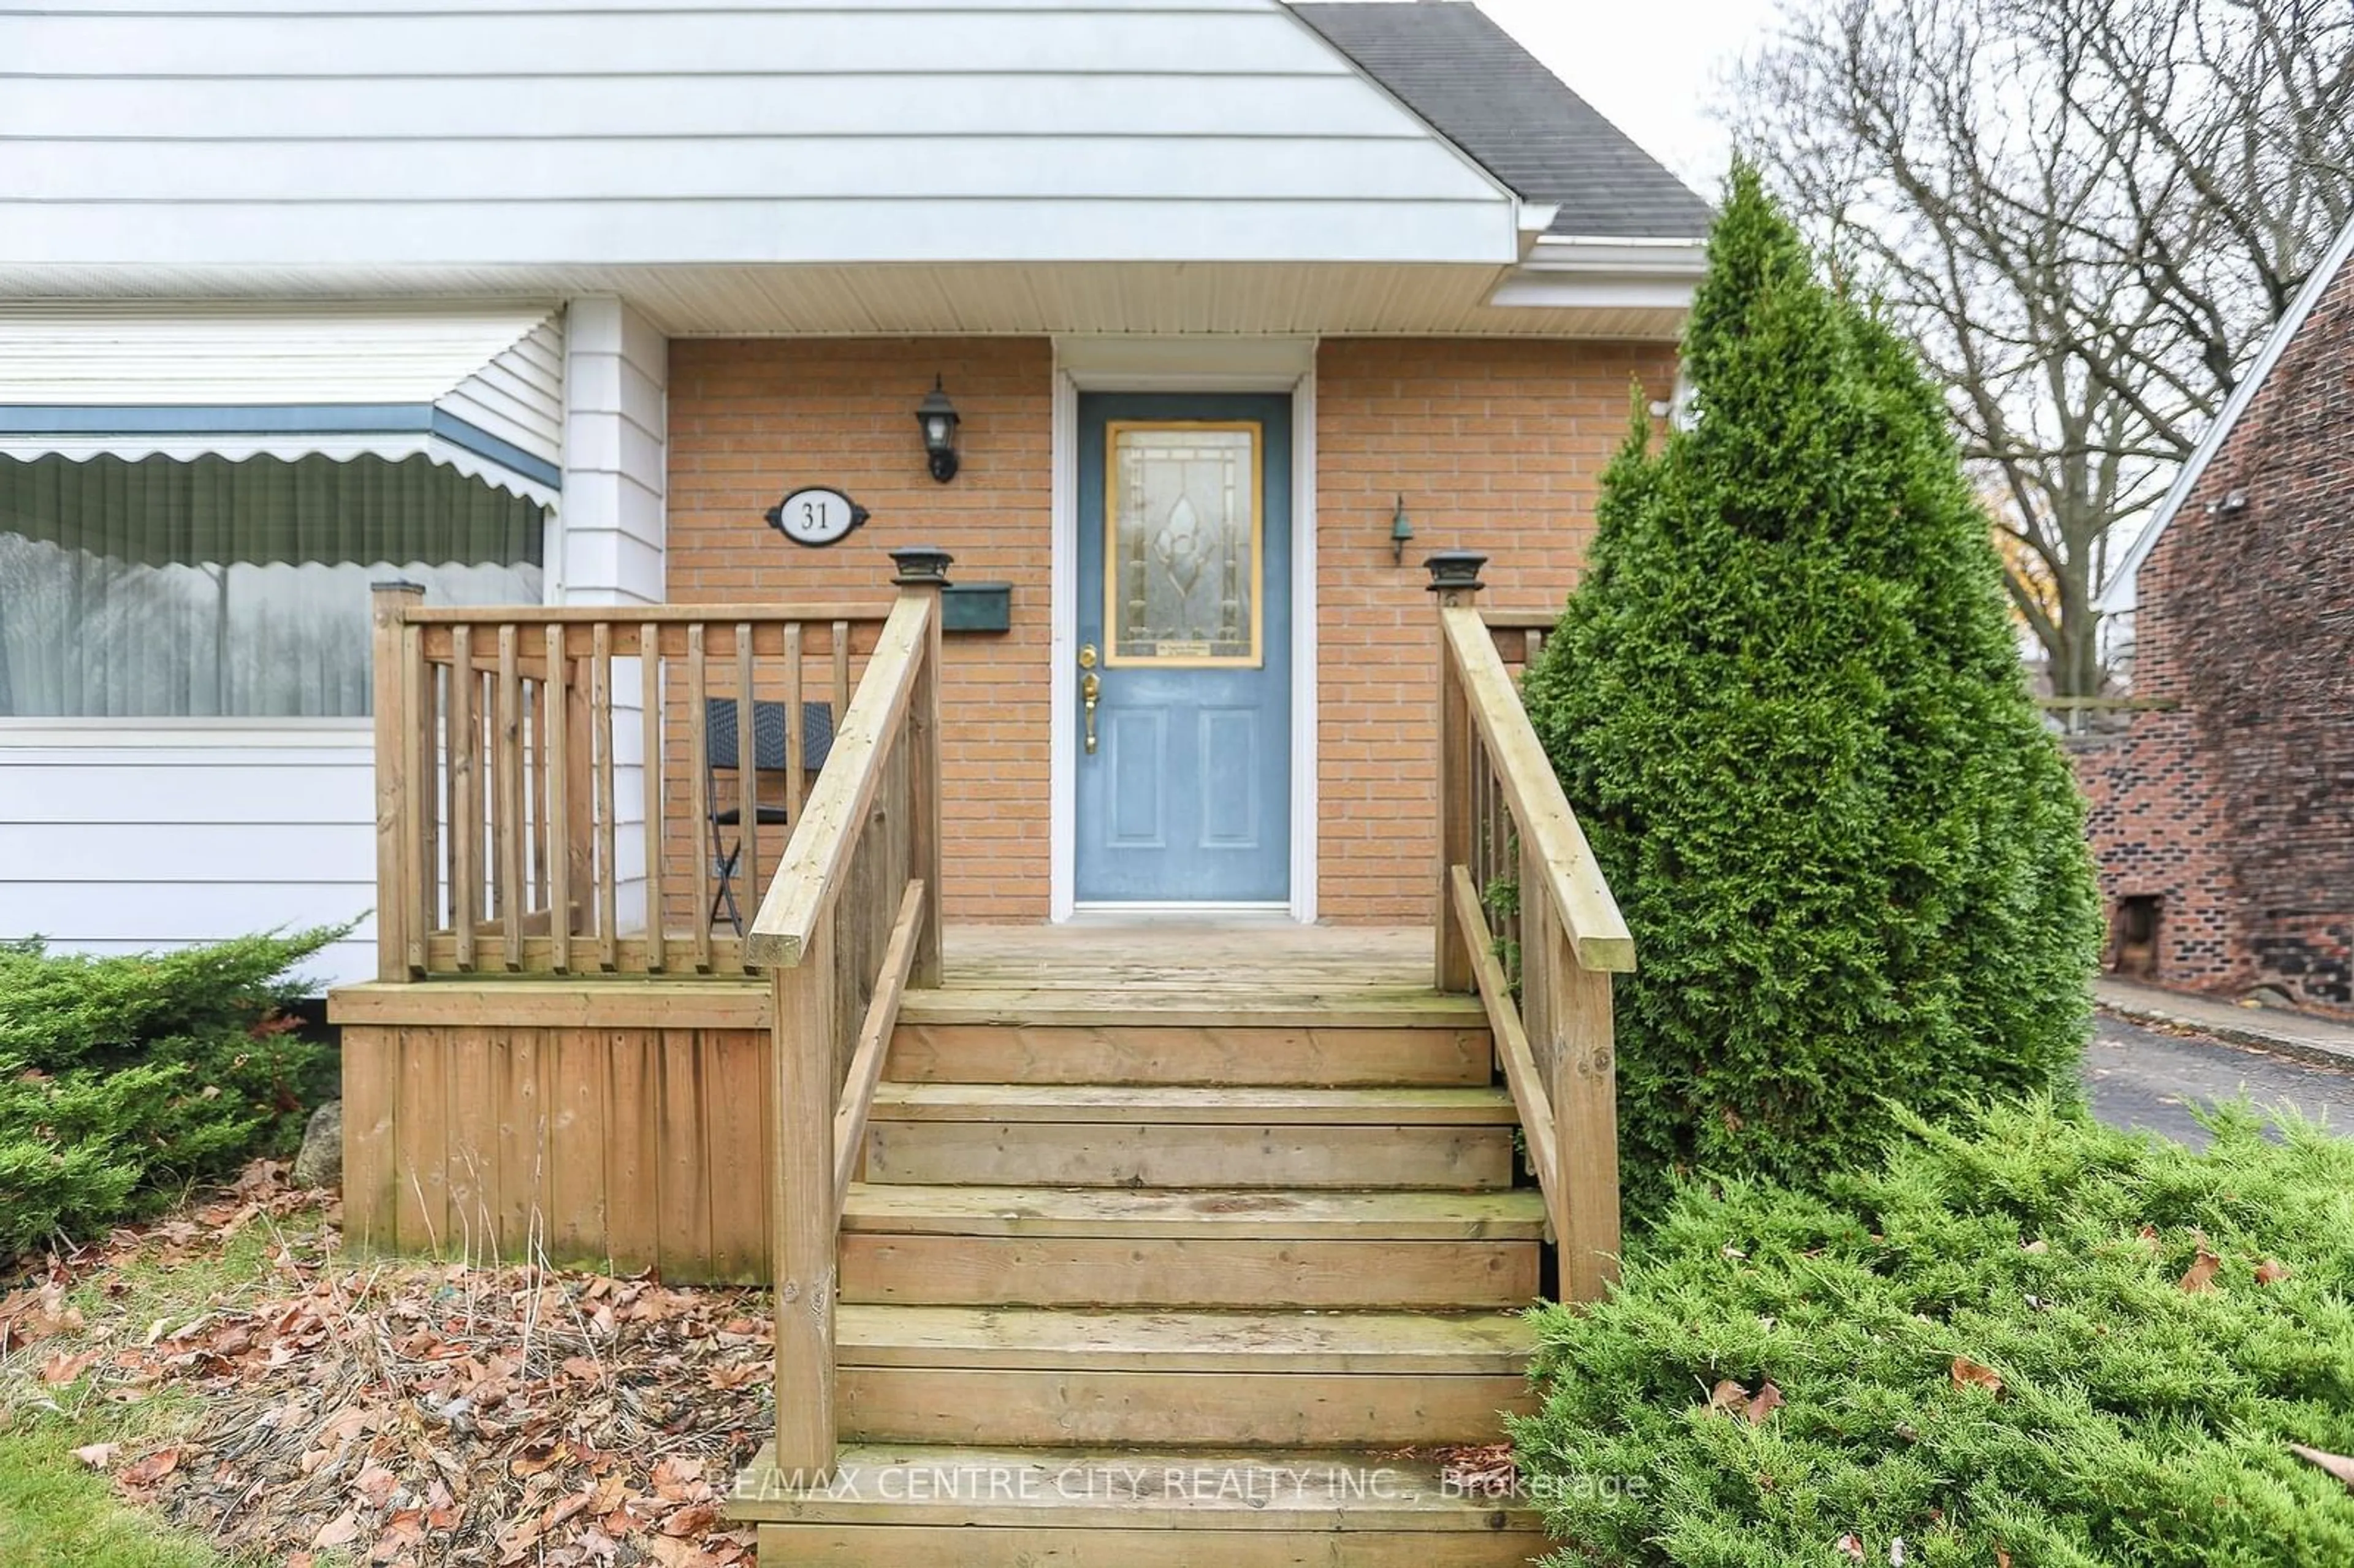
[1373, 257]
[2223, 822]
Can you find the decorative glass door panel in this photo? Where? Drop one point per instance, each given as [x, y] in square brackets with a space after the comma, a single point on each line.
[1182, 519]
[1184, 577]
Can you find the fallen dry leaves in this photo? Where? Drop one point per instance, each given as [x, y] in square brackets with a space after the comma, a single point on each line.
[1735, 1400]
[411, 1414]
[1968, 1374]
[1484, 1470]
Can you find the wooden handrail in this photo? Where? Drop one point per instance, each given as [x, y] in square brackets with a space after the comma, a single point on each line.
[634, 614]
[1526, 919]
[1539, 810]
[809, 878]
[849, 922]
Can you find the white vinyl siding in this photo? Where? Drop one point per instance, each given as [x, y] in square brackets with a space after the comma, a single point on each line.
[603, 134]
[615, 464]
[119, 839]
[519, 395]
[616, 431]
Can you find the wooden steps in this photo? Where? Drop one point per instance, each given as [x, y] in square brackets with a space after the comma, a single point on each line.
[1116, 1135]
[1503, 1214]
[1061, 1378]
[1145, 1052]
[1058, 1378]
[1190, 1248]
[1187, 1005]
[1385, 1107]
[995, 1506]
[1173, 1273]
[1485, 1344]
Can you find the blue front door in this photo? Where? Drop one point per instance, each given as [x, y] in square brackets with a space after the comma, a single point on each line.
[1184, 780]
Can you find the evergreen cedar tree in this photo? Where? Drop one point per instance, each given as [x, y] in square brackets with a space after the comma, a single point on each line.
[1787, 703]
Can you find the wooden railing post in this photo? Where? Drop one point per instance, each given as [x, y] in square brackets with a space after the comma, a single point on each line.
[1454, 578]
[580, 824]
[396, 900]
[1585, 1121]
[801, 1201]
[923, 573]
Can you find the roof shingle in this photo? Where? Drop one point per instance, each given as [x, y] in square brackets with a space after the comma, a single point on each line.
[1446, 61]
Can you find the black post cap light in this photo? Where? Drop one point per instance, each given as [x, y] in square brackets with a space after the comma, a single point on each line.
[921, 565]
[1455, 569]
[938, 416]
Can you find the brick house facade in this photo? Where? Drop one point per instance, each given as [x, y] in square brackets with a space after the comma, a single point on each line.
[2228, 815]
[1493, 445]
[1382, 238]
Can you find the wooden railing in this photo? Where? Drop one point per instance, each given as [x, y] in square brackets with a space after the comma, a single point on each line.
[1520, 634]
[850, 922]
[543, 803]
[1526, 919]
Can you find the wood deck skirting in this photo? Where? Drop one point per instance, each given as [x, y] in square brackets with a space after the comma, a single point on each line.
[619, 1122]
[620, 1148]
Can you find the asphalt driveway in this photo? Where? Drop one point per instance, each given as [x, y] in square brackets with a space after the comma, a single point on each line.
[2143, 1078]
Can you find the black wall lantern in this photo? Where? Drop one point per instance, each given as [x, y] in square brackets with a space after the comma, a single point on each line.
[938, 416]
[1401, 534]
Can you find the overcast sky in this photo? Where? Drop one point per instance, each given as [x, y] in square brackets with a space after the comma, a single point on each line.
[1651, 65]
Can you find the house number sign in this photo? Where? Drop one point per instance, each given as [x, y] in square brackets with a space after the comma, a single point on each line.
[816, 517]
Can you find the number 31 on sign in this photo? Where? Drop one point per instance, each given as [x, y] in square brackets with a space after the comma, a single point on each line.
[816, 517]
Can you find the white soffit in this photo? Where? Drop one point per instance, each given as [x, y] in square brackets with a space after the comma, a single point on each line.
[945, 299]
[479, 388]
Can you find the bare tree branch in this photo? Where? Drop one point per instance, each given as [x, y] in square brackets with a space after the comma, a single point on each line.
[2085, 213]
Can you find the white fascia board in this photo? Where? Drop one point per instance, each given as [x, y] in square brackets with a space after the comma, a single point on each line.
[1571, 272]
[1534, 221]
[1097, 362]
[2123, 590]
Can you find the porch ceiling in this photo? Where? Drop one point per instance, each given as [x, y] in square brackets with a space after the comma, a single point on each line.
[1634, 295]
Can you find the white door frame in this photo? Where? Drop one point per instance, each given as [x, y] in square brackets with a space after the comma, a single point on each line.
[1181, 364]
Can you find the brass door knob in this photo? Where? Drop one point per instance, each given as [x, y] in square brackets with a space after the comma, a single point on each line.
[1090, 689]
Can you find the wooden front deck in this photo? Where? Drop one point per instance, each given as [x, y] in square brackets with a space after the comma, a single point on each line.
[1044, 1208]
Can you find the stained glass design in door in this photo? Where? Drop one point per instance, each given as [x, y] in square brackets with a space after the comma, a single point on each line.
[1183, 554]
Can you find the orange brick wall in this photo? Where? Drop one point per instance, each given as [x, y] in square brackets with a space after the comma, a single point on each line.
[748, 418]
[1496, 446]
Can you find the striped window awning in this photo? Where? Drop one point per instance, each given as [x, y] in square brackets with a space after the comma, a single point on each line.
[478, 388]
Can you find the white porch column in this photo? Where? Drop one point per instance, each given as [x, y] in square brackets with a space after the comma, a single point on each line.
[616, 435]
[612, 524]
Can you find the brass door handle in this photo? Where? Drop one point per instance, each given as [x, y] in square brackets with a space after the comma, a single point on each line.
[1090, 689]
